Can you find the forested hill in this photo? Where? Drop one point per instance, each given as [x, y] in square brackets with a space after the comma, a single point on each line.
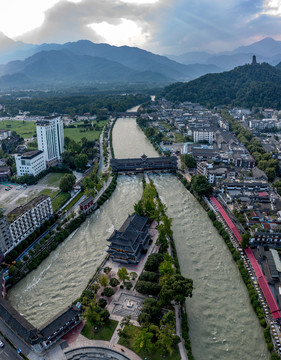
[244, 86]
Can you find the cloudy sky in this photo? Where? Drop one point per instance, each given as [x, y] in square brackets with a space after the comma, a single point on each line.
[161, 26]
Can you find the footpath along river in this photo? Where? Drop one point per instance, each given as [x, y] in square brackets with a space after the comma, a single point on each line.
[221, 320]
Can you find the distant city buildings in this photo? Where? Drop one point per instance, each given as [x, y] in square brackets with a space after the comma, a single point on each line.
[50, 138]
[31, 163]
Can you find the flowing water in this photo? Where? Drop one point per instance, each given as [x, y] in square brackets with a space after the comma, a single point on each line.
[222, 323]
[61, 278]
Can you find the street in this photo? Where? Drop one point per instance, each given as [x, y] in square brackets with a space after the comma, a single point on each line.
[7, 352]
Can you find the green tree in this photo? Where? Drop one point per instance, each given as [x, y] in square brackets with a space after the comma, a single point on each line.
[245, 240]
[165, 339]
[103, 280]
[148, 287]
[150, 312]
[169, 318]
[107, 270]
[143, 341]
[123, 274]
[108, 292]
[149, 132]
[166, 268]
[200, 185]
[175, 287]
[81, 161]
[270, 173]
[274, 356]
[67, 182]
[188, 160]
[13, 270]
[67, 142]
[153, 261]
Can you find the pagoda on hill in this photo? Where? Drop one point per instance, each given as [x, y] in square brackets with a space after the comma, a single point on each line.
[254, 60]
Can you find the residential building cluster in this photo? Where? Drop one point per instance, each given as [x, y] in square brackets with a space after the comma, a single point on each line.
[50, 138]
[206, 136]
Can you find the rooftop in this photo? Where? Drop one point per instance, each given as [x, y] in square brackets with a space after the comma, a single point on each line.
[18, 211]
[31, 154]
[17, 322]
[59, 321]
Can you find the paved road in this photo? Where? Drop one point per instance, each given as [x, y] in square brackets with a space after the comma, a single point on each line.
[181, 346]
[8, 353]
[101, 152]
[17, 342]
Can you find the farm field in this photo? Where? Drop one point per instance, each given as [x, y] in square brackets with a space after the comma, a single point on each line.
[25, 129]
[78, 133]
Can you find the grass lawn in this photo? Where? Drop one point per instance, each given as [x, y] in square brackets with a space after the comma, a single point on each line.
[25, 129]
[103, 333]
[179, 138]
[49, 192]
[52, 179]
[74, 201]
[155, 355]
[78, 133]
[61, 199]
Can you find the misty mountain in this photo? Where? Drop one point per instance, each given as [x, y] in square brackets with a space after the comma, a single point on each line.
[245, 86]
[86, 62]
[194, 57]
[267, 50]
[65, 68]
[266, 47]
[132, 57]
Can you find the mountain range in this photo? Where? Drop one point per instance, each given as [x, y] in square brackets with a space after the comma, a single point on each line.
[86, 63]
[266, 50]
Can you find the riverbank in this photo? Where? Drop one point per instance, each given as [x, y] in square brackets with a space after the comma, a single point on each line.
[239, 258]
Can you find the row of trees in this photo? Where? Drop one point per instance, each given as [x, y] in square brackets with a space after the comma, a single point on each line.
[167, 285]
[47, 104]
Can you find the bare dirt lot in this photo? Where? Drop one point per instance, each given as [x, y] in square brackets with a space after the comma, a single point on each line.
[15, 197]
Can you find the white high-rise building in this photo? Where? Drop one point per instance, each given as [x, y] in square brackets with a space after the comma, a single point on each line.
[50, 138]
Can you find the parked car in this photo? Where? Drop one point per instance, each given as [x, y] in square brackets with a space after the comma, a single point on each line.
[1, 344]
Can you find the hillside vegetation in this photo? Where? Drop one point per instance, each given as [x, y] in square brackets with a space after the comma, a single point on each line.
[244, 86]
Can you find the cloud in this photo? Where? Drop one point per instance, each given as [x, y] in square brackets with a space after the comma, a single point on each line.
[166, 26]
[70, 21]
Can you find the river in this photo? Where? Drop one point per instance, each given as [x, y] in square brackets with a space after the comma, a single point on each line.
[61, 278]
[222, 322]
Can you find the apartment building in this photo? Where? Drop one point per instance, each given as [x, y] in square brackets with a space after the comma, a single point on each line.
[23, 220]
[50, 138]
[31, 163]
[6, 240]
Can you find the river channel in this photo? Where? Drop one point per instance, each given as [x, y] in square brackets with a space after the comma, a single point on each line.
[221, 320]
